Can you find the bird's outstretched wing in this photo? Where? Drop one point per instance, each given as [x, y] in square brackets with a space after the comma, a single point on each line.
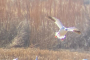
[74, 30]
[57, 21]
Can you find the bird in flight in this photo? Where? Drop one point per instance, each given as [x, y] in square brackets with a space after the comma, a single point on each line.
[61, 34]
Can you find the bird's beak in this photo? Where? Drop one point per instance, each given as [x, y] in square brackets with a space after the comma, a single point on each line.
[55, 36]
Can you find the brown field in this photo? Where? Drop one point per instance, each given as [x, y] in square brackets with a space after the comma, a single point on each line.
[23, 23]
[31, 53]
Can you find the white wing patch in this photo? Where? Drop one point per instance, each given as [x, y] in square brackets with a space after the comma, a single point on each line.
[57, 21]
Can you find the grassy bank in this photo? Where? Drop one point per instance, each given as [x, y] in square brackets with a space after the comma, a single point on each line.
[31, 53]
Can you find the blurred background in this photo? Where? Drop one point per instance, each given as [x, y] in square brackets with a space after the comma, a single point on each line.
[24, 23]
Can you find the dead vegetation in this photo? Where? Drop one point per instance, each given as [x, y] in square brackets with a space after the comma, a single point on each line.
[23, 23]
[30, 54]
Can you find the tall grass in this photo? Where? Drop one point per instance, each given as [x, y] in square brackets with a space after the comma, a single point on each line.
[24, 23]
[30, 54]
